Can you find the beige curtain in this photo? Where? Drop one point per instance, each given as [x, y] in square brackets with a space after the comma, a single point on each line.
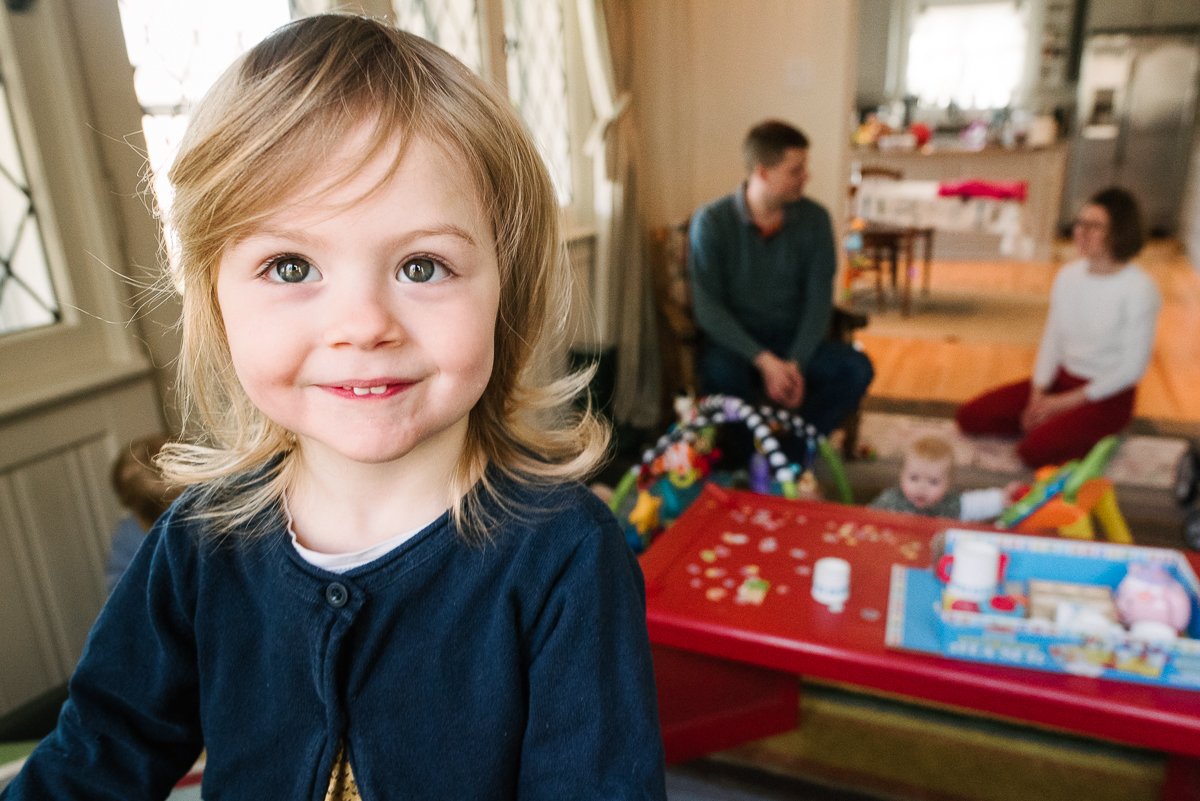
[621, 289]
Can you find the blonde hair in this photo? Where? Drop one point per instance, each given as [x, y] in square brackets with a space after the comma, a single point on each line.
[289, 103]
[933, 449]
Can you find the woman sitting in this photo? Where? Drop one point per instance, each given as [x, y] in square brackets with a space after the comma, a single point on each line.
[1094, 350]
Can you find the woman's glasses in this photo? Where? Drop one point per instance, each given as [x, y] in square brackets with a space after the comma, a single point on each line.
[1090, 225]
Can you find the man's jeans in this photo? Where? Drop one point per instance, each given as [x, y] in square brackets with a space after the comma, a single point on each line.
[835, 380]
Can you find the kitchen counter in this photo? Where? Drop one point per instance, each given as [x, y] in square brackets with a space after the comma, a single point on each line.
[1044, 170]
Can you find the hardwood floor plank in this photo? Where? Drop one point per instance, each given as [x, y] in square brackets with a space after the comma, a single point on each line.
[953, 370]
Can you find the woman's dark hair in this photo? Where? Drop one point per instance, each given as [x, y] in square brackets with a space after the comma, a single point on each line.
[1125, 235]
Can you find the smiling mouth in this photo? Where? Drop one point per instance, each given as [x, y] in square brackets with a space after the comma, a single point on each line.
[360, 391]
[368, 390]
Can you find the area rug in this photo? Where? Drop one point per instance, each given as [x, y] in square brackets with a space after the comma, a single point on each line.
[1143, 469]
[893, 749]
[1140, 461]
[950, 315]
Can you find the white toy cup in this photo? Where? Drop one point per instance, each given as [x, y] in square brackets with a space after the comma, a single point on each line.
[831, 582]
[972, 572]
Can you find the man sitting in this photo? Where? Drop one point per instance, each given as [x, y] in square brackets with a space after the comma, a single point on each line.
[763, 263]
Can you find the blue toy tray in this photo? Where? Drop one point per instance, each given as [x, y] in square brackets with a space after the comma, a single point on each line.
[917, 621]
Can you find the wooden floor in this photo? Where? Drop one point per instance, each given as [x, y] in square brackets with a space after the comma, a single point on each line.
[953, 371]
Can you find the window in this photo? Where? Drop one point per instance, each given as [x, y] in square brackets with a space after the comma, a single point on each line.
[537, 80]
[453, 24]
[537, 71]
[178, 48]
[969, 54]
[61, 304]
[27, 297]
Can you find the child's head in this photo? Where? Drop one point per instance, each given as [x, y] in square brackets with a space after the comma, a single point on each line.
[927, 471]
[137, 481]
[331, 116]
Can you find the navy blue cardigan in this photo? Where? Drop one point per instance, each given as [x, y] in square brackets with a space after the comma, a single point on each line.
[518, 669]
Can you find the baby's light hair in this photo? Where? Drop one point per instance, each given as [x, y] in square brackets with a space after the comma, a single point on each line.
[138, 483]
[289, 104]
[932, 449]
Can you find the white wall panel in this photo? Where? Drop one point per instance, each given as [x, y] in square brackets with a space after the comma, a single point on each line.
[707, 70]
[27, 663]
[57, 512]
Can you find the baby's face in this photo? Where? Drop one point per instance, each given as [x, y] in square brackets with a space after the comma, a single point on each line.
[924, 481]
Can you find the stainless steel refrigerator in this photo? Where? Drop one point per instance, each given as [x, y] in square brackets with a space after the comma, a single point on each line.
[1135, 119]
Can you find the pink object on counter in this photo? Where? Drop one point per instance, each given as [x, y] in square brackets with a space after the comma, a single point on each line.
[998, 190]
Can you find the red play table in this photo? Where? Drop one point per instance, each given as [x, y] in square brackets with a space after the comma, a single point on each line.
[704, 605]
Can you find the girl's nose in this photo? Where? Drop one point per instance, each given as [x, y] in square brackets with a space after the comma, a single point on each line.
[361, 315]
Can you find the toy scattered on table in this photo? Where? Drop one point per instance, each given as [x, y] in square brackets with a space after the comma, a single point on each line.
[973, 573]
[1152, 603]
[831, 583]
[685, 456]
[853, 533]
[1065, 499]
[1085, 609]
[1099, 609]
[723, 574]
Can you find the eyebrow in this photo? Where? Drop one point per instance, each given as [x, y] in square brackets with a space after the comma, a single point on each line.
[442, 229]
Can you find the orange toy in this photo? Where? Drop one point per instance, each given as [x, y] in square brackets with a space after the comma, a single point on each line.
[1096, 499]
[1065, 498]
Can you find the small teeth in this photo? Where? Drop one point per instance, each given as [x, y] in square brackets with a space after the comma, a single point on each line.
[379, 390]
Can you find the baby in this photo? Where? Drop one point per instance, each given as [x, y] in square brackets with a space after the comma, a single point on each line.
[925, 481]
[144, 493]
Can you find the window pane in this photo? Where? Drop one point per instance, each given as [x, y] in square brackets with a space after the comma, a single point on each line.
[178, 48]
[537, 81]
[451, 24]
[27, 298]
[972, 55]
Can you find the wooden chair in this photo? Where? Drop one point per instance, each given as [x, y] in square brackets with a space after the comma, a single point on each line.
[885, 246]
[680, 338]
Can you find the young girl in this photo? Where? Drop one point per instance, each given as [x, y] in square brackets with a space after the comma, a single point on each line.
[1095, 347]
[383, 581]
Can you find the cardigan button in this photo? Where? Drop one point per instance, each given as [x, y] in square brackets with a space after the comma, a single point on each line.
[337, 595]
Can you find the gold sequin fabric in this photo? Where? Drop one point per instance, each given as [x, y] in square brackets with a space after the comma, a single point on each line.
[342, 786]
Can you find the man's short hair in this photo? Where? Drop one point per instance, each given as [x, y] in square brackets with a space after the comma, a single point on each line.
[766, 142]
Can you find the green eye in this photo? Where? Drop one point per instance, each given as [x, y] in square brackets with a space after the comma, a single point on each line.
[420, 270]
[292, 270]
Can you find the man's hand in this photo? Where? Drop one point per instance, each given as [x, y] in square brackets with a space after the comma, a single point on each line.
[782, 379]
